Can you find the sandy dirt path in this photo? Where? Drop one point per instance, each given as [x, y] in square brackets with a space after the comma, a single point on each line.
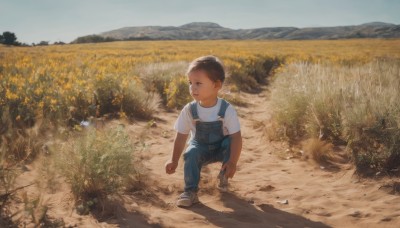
[268, 190]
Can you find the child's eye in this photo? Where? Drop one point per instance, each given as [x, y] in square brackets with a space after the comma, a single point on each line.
[190, 83]
[198, 83]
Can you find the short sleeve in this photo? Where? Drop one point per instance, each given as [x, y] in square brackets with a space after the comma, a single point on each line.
[183, 123]
[231, 120]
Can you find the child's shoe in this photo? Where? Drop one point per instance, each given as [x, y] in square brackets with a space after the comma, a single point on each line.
[186, 199]
[223, 182]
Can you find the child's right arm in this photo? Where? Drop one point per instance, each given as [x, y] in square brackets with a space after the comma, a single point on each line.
[179, 145]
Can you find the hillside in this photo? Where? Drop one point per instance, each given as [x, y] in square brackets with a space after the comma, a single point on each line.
[213, 31]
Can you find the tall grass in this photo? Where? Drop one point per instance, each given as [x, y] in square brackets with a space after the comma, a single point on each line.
[118, 94]
[356, 105]
[168, 80]
[97, 164]
[18, 147]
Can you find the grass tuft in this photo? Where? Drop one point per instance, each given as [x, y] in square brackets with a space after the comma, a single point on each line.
[319, 151]
[97, 164]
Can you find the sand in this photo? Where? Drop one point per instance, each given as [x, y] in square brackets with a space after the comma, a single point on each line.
[268, 190]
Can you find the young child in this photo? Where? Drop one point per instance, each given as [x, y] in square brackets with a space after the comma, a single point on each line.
[214, 127]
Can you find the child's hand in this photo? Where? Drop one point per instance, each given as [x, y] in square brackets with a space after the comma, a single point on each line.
[230, 169]
[170, 167]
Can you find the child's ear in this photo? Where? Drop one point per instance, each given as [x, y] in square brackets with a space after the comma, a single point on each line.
[218, 84]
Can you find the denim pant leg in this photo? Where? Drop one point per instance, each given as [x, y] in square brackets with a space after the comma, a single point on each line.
[224, 152]
[194, 157]
[197, 155]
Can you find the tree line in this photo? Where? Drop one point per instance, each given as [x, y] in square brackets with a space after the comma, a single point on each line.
[9, 38]
[100, 39]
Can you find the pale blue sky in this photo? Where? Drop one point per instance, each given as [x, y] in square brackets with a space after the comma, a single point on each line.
[65, 20]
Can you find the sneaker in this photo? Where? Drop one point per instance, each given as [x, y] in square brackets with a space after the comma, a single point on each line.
[186, 199]
[223, 182]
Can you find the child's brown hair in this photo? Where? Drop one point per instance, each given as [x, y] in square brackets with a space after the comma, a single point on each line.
[211, 65]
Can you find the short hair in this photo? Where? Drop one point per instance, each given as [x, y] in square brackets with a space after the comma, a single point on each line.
[211, 65]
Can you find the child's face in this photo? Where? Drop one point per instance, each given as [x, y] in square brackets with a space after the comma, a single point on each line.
[203, 89]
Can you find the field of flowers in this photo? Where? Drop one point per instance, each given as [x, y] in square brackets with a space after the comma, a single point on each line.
[73, 82]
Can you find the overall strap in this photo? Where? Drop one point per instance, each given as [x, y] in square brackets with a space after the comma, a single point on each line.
[193, 110]
[222, 109]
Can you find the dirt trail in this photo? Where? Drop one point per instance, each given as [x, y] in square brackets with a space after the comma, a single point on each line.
[316, 197]
[267, 190]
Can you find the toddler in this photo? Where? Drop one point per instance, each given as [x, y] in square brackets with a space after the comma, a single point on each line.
[213, 126]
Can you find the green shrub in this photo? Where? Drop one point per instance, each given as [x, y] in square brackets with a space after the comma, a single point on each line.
[373, 136]
[81, 107]
[376, 149]
[113, 96]
[252, 72]
[107, 94]
[241, 79]
[98, 163]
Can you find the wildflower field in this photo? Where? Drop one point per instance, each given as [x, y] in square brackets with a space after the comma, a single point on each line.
[73, 82]
[69, 84]
[344, 92]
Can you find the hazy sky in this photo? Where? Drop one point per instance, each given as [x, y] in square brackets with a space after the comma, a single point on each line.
[65, 20]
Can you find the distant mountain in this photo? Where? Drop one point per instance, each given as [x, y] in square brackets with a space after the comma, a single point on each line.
[213, 31]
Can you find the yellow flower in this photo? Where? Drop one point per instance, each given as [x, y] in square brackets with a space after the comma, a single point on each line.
[11, 96]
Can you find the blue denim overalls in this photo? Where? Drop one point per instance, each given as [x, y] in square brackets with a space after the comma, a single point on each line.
[208, 145]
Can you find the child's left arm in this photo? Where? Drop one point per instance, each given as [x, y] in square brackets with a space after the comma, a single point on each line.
[236, 149]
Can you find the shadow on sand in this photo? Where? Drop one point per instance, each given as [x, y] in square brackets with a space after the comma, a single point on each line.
[114, 213]
[246, 215]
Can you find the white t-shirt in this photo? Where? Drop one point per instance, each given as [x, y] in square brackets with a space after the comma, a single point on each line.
[184, 124]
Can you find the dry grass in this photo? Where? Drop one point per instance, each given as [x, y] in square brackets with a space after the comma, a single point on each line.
[159, 77]
[319, 151]
[353, 105]
[97, 164]
[18, 147]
